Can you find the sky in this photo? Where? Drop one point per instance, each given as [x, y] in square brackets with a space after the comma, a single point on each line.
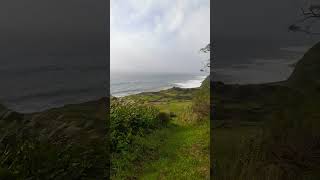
[147, 35]
[53, 27]
[256, 29]
[158, 35]
[252, 43]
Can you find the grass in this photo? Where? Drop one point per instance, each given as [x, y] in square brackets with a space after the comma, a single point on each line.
[170, 95]
[60, 143]
[183, 154]
[277, 143]
[227, 143]
[175, 107]
[178, 151]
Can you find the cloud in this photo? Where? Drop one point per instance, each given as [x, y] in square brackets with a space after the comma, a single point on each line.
[59, 27]
[158, 35]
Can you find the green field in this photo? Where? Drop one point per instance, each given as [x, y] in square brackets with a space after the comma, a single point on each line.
[180, 150]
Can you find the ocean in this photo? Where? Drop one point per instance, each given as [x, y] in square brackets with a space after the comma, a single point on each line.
[36, 83]
[256, 62]
[127, 83]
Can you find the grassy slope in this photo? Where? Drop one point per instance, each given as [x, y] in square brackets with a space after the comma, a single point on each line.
[236, 105]
[242, 112]
[69, 121]
[182, 154]
[180, 151]
[75, 126]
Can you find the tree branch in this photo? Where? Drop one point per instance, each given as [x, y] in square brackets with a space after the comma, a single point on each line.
[313, 14]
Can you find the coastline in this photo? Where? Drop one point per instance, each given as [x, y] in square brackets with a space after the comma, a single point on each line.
[89, 101]
[96, 99]
[186, 84]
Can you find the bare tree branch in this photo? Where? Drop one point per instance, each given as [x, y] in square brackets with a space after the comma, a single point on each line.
[311, 16]
[206, 49]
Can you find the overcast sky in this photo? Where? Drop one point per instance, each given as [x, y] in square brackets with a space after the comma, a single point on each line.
[158, 35]
[53, 27]
[249, 29]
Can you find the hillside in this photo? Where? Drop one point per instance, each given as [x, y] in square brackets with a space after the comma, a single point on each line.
[34, 142]
[269, 131]
[307, 71]
[179, 149]
[273, 126]
[75, 123]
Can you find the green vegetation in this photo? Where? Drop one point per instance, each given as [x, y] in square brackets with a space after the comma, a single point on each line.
[201, 100]
[266, 131]
[182, 153]
[152, 135]
[130, 121]
[61, 143]
[269, 131]
[175, 148]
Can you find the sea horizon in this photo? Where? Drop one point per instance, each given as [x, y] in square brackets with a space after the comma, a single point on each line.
[129, 83]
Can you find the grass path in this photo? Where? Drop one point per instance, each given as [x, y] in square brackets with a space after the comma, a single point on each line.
[183, 153]
[178, 151]
[181, 150]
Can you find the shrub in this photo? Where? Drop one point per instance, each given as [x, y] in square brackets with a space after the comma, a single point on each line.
[129, 119]
[30, 158]
[164, 117]
[201, 101]
[172, 114]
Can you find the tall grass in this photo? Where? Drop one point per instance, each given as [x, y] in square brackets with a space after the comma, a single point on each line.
[130, 121]
[200, 107]
[288, 148]
[29, 157]
[62, 143]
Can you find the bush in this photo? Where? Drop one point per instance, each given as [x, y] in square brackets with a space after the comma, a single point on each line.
[34, 159]
[164, 117]
[201, 101]
[172, 114]
[61, 143]
[129, 119]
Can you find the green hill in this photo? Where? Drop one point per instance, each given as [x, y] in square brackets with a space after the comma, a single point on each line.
[306, 74]
[269, 131]
[60, 143]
